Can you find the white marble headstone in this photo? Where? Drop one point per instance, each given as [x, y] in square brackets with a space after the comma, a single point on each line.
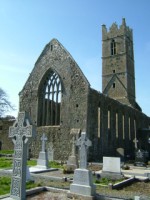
[111, 164]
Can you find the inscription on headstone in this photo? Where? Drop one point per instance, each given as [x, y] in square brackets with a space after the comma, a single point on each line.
[20, 132]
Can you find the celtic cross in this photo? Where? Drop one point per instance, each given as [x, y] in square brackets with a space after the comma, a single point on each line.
[84, 143]
[43, 139]
[20, 132]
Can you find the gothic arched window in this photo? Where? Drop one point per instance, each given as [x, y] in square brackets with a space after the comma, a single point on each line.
[113, 47]
[50, 101]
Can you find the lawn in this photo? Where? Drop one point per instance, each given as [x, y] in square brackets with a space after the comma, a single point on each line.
[6, 163]
[6, 152]
[5, 183]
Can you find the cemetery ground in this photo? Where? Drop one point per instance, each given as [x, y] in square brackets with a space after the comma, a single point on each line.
[138, 188]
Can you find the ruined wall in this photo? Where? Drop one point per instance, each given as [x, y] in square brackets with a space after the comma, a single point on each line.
[5, 142]
[113, 126]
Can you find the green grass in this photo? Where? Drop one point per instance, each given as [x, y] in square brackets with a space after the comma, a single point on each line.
[31, 163]
[5, 183]
[54, 164]
[5, 162]
[106, 181]
[6, 151]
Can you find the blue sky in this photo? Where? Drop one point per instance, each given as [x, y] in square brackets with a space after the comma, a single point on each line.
[27, 26]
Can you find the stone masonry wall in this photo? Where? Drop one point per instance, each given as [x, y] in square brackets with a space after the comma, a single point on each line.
[115, 130]
[6, 143]
[74, 102]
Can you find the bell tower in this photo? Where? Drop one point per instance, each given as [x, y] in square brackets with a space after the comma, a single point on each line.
[118, 76]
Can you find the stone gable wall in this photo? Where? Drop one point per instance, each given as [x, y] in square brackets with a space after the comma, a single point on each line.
[74, 102]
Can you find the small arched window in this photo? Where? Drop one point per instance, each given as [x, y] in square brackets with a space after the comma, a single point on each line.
[51, 99]
[113, 47]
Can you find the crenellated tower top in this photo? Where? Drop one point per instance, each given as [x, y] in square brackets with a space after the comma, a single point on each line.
[115, 31]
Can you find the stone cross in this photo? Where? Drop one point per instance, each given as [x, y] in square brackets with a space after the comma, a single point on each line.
[135, 141]
[74, 133]
[84, 143]
[20, 132]
[43, 139]
[73, 153]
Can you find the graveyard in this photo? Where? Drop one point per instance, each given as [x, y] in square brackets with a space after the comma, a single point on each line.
[41, 180]
[57, 180]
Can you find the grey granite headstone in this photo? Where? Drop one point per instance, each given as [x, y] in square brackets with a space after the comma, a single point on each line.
[50, 152]
[72, 160]
[42, 161]
[20, 132]
[83, 143]
[82, 181]
[140, 158]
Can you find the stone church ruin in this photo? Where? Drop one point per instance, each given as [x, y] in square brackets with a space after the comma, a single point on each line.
[58, 97]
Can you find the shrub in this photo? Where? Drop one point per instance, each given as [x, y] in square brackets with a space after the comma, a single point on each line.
[68, 170]
[125, 167]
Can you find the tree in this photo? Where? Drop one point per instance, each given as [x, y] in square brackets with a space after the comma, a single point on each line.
[5, 104]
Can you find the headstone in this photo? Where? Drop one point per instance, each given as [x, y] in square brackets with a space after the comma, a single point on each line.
[20, 132]
[83, 181]
[111, 164]
[140, 158]
[83, 143]
[111, 167]
[72, 162]
[135, 143]
[50, 152]
[42, 161]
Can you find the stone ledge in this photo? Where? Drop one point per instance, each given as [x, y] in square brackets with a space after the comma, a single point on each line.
[79, 197]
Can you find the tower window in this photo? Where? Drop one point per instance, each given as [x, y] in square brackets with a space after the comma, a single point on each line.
[114, 85]
[113, 47]
[114, 71]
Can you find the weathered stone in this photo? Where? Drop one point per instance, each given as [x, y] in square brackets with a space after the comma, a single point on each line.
[83, 180]
[20, 132]
[83, 143]
[42, 161]
[50, 151]
[72, 162]
[140, 158]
